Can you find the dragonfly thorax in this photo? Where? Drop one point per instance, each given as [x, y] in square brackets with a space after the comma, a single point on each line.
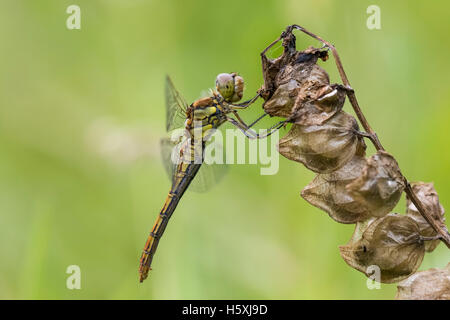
[206, 113]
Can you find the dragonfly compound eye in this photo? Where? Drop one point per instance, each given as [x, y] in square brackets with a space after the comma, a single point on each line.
[238, 89]
[225, 85]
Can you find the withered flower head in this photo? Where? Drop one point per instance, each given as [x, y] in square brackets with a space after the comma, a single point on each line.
[361, 189]
[432, 284]
[430, 200]
[328, 192]
[380, 185]
[322, 148]
[391, 243]
[292, 64]
[297, 88]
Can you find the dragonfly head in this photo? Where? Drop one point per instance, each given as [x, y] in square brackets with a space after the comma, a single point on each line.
[230, 86]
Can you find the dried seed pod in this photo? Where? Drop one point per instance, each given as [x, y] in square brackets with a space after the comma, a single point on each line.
[392, 243]
[322, 148]
[292, 64]
[360, 228]
[430, 200]
[281, 103]
[380, 185]
[327, 192]
[330, 192]
[295, 87]
[432, 284]
[318, 108]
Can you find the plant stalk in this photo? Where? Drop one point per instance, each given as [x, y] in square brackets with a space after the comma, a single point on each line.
[439, 227]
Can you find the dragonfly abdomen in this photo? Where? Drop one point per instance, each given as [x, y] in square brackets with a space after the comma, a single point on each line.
[184, 176]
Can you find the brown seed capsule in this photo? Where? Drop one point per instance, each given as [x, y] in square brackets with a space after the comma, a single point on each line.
[380, 185]
[281, 103]
[346, 199]
[430, 200]
[292, 64]
[328, 192]
[295, 87]
[322, 148]
[317, 108]
[391, 243]
[432, 284]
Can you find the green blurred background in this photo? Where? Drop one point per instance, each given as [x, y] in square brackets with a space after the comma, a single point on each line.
[82, 112]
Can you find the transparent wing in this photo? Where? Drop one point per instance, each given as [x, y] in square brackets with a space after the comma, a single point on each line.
[170, 151]
[209, 174]
[175, 107]
[213, 168]
[167, 147]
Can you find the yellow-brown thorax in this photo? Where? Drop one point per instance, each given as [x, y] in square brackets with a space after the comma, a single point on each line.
[202, 117]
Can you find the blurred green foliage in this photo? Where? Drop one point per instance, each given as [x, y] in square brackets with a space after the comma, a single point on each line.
[82, 111]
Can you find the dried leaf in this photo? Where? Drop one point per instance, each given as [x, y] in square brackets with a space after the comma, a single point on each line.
[430, 200]
[282, 101]
[328, 192]
[360, 228]
[317, 111]
[331, 193]
[380, 185]
[432, 284]
[322, 148]
[297, 88]
[391, 243]
[292, 64]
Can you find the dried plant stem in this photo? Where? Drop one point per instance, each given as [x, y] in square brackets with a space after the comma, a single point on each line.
[440, 228]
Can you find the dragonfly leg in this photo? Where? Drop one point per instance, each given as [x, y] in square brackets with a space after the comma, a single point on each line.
[253, 123]
[251, 134]
[257, 120]
[245, 104]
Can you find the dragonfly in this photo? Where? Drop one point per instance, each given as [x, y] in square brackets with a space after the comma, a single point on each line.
[198, 120]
